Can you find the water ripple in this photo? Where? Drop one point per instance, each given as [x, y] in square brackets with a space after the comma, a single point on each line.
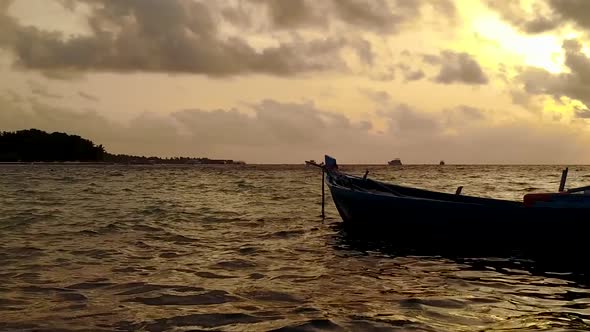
[153, 248]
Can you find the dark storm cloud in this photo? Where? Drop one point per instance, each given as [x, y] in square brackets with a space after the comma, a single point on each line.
[456, 68]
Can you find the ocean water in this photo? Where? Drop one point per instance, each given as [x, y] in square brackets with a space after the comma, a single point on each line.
[234, 248]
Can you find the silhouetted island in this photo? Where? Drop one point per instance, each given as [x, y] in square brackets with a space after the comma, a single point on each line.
[33, 145]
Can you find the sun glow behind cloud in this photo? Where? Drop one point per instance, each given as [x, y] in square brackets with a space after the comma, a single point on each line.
[383, 80]
[542, 51]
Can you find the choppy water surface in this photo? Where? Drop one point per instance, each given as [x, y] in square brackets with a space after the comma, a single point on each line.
[242, 248]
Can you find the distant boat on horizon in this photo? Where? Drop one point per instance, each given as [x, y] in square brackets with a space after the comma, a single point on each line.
[395, 162]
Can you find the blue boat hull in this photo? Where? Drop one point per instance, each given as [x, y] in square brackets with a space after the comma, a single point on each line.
[466, 222]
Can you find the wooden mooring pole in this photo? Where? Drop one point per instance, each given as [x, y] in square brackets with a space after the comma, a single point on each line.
[563, 178]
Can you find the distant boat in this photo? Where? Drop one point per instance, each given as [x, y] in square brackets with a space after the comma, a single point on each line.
[395, 162]
[442, 162]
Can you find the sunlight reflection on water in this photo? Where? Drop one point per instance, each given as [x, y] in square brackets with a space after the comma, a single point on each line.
[242, 248]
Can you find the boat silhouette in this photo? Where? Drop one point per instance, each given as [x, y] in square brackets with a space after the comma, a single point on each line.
[416, 217]
[395, 162]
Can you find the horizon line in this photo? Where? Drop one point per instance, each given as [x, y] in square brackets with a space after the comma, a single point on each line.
[290, 164]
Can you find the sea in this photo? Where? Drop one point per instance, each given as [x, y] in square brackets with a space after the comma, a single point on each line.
[244, 248]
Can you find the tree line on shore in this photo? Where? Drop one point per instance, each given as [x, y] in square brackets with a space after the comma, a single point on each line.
[34, 145]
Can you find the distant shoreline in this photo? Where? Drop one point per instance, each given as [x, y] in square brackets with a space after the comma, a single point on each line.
[105, 163]
[23, 147]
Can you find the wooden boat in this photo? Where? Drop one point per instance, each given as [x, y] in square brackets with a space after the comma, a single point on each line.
[412, 213]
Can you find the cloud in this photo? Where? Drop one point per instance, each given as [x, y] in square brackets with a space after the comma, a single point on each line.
[414, 75]
[408, 119]
[42, 91]
[88, 96]
[275, 132]
[411, 75]
[544, 15]
[456, 68]
[279, 132]
[13, 97]
[577, 11]
[574, 85]
[291, 14]
[538, 19]
[375, 14]
[217, 39]
[472, 113]
[467, 134]
[462, 115]
[381, 16]
[406, 123]
[582, 112]
[379, 97]
[177, 36]
[388, 16]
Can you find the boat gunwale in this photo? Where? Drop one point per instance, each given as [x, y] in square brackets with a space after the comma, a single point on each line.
[466, 200]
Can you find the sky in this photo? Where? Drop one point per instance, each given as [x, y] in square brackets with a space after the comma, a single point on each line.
[283, 81]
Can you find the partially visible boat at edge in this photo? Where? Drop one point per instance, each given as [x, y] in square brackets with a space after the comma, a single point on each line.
[411, 214]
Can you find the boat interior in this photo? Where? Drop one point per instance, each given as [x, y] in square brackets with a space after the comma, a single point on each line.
[364, 184]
